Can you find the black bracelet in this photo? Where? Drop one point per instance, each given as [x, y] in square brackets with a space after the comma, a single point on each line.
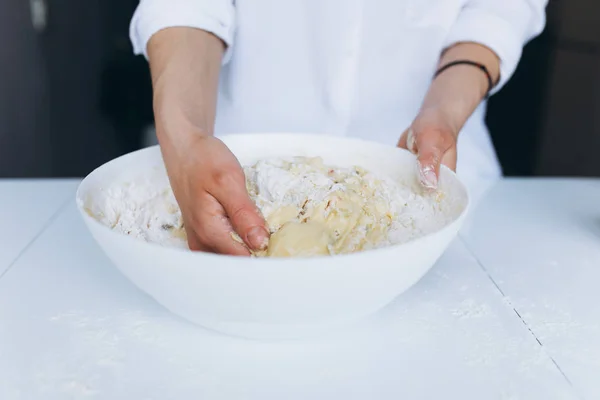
[481, 67]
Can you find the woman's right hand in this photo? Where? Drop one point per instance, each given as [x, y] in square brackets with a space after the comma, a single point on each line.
[210, 187]
[207, 179]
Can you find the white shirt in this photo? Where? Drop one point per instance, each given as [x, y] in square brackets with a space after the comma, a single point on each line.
[346, 67]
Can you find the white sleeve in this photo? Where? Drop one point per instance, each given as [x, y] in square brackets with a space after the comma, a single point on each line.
[503, 26]
[151, 16]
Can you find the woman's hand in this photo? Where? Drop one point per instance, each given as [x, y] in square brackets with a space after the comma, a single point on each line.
[210, 187]
[450, 101]
[432, 137]
[207, 180]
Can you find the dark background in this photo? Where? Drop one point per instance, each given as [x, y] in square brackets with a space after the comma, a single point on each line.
[72, 95]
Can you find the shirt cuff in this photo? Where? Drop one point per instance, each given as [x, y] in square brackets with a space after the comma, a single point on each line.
[151, 16]
[492, 31]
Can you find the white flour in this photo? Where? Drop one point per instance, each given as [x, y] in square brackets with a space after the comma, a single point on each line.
[144, 208]
[297, 189]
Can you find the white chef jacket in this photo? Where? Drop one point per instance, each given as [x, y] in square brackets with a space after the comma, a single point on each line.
[359, 68]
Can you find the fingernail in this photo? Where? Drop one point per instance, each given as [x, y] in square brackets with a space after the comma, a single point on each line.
[258, 238]
[410, 141]
[427, 176]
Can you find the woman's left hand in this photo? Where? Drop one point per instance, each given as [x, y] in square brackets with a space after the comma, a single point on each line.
[432, 137]
[449, 102]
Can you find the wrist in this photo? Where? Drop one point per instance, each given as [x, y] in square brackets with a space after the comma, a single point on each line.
[484, 89]
[439, 117]
[180, 114]
[464, 86]
[455, 94]
[176, 128]
[474, 52]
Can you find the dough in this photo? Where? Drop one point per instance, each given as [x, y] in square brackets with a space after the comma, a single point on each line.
[297, 239]
[310, 208]
[326, 211]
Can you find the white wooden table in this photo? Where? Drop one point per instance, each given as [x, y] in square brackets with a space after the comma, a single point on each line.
[512, 311]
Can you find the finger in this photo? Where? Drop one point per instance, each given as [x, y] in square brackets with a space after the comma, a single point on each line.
[431, 146]
[407, 141]
[449, 159]
[213, 230]
[222, 239]
[240, 209]
[194, 242]
[402, 141]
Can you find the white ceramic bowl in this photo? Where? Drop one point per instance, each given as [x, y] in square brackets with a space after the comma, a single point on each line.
[275, 298]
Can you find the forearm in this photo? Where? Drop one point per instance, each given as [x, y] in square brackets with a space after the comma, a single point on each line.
[457, 91]
[185, 65]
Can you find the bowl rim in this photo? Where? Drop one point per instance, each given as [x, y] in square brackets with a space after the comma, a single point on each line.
[269, 260]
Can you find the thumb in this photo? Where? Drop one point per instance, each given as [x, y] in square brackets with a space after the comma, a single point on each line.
[243, 213]
[431, 146]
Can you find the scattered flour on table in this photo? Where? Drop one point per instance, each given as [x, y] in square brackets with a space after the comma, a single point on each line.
[469, 308]
[310, 208]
